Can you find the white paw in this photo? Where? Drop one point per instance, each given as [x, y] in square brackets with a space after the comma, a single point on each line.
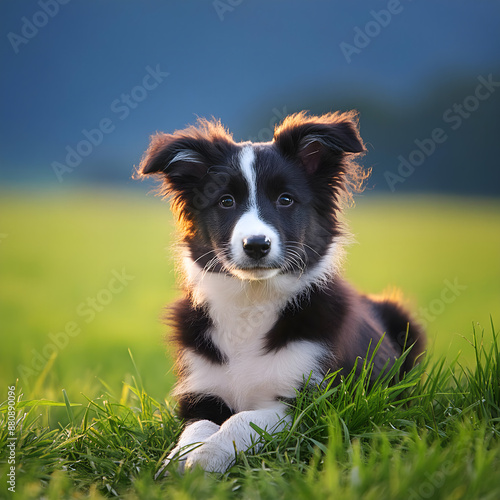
[179, 455]
[211, 457]
[191, 439]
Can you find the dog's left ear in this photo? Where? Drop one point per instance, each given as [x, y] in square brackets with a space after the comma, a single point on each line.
[320, 142]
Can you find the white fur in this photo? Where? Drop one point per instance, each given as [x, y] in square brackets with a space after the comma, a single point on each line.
[247, 159]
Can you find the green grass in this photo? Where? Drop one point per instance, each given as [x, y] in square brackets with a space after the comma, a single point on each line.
[59, 249]
[433, 434]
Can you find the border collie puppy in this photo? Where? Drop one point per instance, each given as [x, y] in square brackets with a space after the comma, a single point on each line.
[265, 307]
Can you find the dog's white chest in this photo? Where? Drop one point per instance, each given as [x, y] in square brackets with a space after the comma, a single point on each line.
[252, 379]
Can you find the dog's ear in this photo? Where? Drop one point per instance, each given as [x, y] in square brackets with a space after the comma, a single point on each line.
[172, 155]
[186, 155]
[319, 142]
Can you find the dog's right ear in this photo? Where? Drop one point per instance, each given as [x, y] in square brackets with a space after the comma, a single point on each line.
[172, 155]
[186, 155]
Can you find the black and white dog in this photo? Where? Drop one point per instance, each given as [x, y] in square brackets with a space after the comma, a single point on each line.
[265, 307]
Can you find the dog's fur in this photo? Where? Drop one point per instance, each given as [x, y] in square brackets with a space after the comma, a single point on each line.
[265, 307]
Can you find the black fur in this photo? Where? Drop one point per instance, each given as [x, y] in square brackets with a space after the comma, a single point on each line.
[196, 407]
[190, 326]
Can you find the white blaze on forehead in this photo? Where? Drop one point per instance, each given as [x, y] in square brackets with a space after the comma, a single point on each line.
[247, 162]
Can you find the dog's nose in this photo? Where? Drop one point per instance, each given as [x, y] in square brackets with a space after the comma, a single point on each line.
[257, 247]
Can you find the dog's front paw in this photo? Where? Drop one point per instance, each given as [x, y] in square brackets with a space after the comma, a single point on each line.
[191, 439]
[179, 456]
[211, 457]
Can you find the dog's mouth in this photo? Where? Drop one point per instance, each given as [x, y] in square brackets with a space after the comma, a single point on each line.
[255, 273]
[261, 269]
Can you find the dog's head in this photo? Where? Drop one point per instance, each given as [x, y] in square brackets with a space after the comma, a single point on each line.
[257, 210]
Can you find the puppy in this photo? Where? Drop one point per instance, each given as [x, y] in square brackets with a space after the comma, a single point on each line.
[265, 307]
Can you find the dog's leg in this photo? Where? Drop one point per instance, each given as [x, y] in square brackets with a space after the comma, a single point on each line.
[219, 451]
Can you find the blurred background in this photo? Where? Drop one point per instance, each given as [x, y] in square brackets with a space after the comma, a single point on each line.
[86, 252]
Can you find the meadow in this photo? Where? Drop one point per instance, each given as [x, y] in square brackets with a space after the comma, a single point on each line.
[85, 275]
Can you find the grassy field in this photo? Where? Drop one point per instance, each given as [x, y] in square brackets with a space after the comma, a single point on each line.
[84, 277]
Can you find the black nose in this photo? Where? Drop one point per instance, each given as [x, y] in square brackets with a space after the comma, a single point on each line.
[257, 247]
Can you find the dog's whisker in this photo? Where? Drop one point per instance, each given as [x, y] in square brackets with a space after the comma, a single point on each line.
[211, 265]
[302, 247]
[295, 258]
[312, 249]
[204, 255]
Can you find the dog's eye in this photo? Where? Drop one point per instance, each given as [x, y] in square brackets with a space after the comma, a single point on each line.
[285, 200]
[227, 201]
